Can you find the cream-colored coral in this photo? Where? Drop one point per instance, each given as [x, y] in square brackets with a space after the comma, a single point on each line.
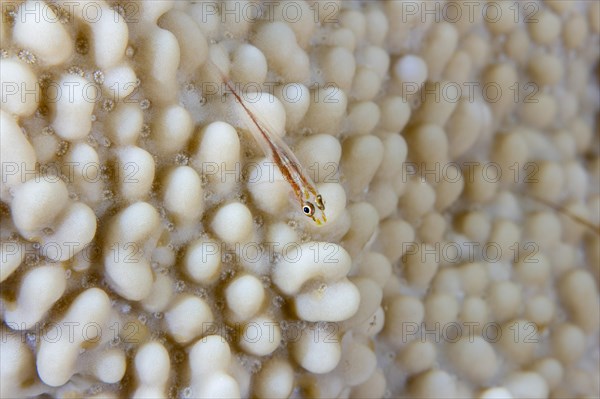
[149, 247]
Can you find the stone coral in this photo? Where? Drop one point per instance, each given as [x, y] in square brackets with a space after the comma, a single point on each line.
[150, 249]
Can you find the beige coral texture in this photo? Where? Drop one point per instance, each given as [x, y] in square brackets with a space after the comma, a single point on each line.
[152, 248]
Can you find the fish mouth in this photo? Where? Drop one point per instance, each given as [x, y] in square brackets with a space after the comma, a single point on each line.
[320, 222]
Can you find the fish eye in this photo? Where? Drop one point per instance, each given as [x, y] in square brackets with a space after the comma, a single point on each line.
[308, 209]
[320, 203]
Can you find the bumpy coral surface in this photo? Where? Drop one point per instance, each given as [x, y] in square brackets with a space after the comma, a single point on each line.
[152, 247]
